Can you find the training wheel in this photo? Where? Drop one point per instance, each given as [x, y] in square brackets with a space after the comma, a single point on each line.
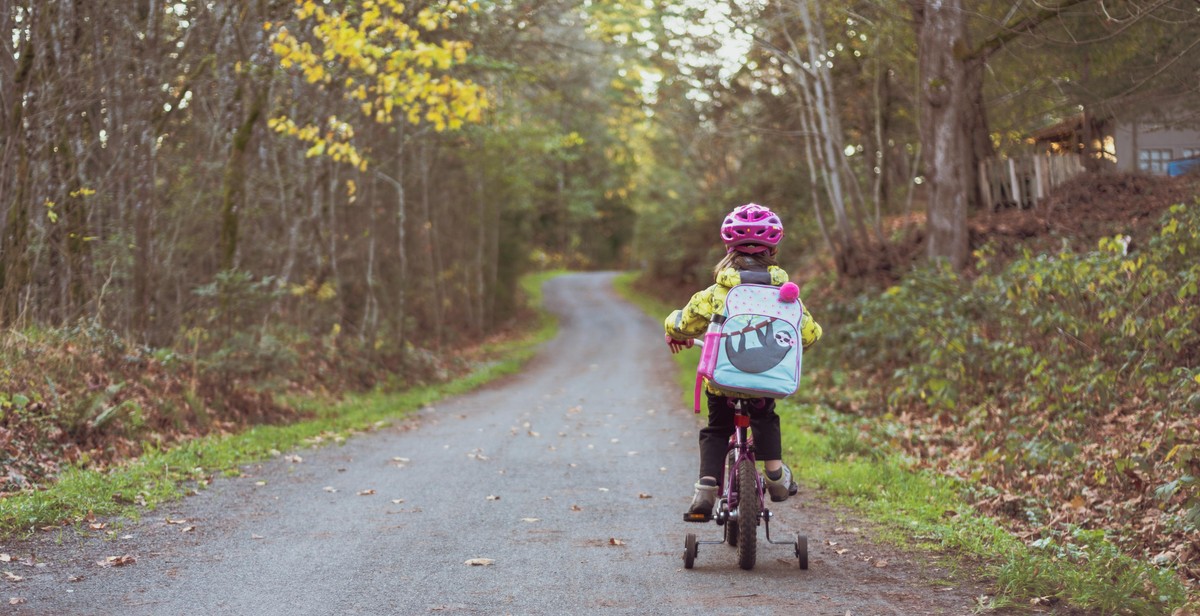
[802, 550]
[690, 548]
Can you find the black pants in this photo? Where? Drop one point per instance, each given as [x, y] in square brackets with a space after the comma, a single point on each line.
[714, 438]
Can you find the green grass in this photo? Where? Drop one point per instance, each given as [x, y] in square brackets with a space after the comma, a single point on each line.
[842, 456]
[161, 476]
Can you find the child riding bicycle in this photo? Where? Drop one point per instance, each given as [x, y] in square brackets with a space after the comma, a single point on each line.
[751, 234]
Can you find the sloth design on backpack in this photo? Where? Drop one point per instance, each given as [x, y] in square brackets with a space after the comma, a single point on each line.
[753, 347]
[772, 346]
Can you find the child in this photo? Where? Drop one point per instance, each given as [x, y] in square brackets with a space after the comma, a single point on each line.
[751, 234]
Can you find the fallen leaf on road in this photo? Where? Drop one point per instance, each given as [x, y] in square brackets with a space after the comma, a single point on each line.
[330, 489]
[644, 495]
[256, 536]
[480, 562]
[397, 501]
[75, 578]
[179, 521]
[187, 529]
[12, 577]
[260, 483]
[531, 520]
[97, 526]
[16, 601]
[576, 508]
[367, 492]
[840, 552]
[117, 561]
[294, 459]
[603, 489]
[493, 497]
[615, 541]
[881, 563]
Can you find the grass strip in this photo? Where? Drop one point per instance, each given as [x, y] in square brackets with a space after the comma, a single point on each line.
[848, 459]
[159, 476]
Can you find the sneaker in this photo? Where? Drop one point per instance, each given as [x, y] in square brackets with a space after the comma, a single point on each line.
[702, 504]
[780, 489]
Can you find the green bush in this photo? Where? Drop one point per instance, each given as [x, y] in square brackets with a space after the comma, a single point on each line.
[1080, 368]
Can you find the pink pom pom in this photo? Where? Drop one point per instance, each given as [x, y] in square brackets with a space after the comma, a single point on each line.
[789, 292]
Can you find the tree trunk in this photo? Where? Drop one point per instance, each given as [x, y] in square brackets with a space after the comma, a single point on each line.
[234, 185]
[14, 264]
[944, 101]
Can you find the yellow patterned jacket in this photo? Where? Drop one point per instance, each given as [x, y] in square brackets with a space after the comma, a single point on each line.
[692, 321]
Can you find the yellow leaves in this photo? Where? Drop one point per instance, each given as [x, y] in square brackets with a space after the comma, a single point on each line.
[380, 64]
[82, 192]
[323, 292]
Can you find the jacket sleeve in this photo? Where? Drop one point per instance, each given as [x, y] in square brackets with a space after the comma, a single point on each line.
[810, 330]
[692, 320]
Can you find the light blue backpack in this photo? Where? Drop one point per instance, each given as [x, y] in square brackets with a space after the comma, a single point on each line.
[754, 347]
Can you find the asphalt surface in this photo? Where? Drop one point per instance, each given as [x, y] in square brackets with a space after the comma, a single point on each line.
[566, 484]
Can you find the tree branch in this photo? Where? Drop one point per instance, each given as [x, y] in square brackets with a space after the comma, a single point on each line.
[1011, 31]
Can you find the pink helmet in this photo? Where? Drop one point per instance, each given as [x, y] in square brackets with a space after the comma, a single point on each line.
[752, 229]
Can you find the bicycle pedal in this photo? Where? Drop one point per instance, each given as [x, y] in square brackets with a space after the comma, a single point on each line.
[696, 517]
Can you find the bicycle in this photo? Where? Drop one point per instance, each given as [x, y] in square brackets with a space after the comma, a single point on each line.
[741, 503]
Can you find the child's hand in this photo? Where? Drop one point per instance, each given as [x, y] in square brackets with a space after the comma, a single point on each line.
[677, 345]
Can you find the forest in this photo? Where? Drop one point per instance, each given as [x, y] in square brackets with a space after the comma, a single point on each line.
[210, 204]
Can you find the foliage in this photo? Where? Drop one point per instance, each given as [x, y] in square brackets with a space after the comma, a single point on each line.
[382, 64]
[1065, 386]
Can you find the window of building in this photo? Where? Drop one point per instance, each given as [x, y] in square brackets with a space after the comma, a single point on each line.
[1190, 152]
[1154, 160]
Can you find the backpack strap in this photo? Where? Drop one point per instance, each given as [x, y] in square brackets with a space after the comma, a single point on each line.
[755, 277]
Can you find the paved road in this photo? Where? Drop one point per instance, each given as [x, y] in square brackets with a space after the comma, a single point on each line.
[569, 479]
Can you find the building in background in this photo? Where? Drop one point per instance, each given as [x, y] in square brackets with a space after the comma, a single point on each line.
[1164, 141]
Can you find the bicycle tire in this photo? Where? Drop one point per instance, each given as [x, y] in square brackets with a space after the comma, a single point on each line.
[690, 548]
[748, 512]
[731, 526]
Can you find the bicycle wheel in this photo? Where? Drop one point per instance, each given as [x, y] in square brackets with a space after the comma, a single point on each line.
[731, 526]
[748, 510]
[690, 549]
